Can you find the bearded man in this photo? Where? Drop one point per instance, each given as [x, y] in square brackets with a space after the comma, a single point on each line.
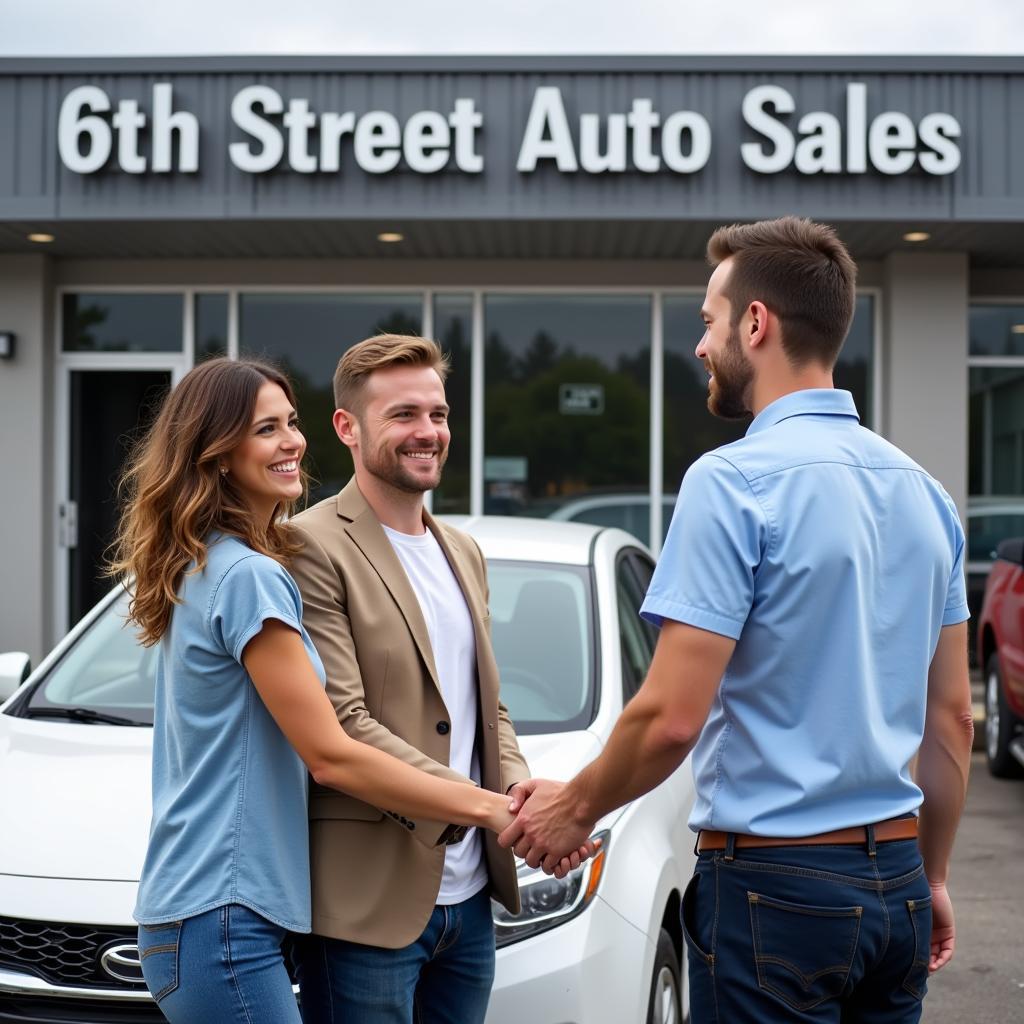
[396, 604]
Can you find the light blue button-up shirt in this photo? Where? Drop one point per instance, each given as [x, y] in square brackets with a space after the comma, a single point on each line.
[833, 560]
[229, 792]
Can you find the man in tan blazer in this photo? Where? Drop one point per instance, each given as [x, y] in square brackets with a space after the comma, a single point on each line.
[396, 604]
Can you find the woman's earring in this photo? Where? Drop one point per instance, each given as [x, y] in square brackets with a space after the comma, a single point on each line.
[223, 470]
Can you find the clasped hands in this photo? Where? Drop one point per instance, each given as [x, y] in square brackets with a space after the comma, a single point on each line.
[548, 830]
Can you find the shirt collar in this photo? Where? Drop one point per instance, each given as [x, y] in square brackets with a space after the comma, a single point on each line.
[807, 402]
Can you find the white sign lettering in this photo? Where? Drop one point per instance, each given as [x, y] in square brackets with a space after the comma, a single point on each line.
[891, 141]
[378, 139]
[95, 133]
[548, 136]
[129, 124]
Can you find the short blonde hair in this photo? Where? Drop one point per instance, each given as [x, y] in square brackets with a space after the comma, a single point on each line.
[377, 353]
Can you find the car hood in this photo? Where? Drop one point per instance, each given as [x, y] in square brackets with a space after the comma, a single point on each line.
[561, 755]
[75, 799]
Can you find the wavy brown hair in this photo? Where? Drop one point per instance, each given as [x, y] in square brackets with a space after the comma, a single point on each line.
[173, 493]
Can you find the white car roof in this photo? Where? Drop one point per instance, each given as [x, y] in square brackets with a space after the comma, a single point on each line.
[521, 539]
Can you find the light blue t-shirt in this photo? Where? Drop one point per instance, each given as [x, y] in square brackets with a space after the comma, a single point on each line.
[229, 792]
[833, 560]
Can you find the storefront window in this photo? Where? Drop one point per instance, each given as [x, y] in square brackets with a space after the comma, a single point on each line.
[995, 466]
[131, 322]
[306, 334]
[996, 431]
[210, 315]
[997, 331]
[567, 401]
[453, 331]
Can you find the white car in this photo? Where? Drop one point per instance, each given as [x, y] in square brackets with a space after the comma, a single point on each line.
[602, 946]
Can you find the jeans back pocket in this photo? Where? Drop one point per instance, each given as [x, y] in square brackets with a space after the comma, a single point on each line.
[916, 981]
[158, 953]
[803, 954]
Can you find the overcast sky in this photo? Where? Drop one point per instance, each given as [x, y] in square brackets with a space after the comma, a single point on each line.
[137, 27]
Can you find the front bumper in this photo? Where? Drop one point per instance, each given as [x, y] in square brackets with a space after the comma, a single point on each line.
[594, 969]
[25, 999]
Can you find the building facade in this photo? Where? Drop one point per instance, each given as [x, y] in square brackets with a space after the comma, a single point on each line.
[543, 218]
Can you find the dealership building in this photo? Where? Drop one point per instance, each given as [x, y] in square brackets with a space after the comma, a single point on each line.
[544, 218]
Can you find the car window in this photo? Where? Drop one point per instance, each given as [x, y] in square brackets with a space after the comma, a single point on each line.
[986, 532]
[106, 670]
[543, 643]
[634, 517]
[634, 636]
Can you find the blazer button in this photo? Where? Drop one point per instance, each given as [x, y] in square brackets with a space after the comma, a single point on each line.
[443, 728]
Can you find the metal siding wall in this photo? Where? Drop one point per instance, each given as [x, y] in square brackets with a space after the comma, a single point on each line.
[988, 185]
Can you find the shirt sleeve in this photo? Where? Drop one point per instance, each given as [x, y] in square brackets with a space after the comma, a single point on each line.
[956, 593]
[715, 543]
[251, 591]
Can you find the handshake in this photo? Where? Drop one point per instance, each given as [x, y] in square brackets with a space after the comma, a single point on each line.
[543, 823]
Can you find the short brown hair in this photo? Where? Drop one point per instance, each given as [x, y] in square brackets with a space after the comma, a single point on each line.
[376, 353]
[801, 271]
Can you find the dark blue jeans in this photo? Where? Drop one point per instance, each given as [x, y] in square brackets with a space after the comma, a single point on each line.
[444, 977]
[808, 934]
[225, 965]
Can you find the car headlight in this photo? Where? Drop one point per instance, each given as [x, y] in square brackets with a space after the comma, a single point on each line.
[548, 901]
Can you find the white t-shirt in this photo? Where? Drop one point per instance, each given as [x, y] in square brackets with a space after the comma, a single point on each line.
[454, 645]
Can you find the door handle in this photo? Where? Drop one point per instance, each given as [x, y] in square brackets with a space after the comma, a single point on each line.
[69, 524]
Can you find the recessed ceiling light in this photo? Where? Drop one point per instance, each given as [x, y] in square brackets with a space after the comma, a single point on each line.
[390, 236]
[40, 236]
[916, 236]
[1017, 329]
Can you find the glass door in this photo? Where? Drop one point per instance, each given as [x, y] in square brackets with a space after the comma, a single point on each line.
[107, 409]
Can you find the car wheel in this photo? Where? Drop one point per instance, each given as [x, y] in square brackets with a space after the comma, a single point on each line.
[1000, 726]
[665, 1006]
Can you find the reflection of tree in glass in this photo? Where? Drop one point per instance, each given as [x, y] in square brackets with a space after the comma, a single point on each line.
[498, 360]
[569, 454]
[82, 318]
[540, 356]
[327, 460]
[396, 322]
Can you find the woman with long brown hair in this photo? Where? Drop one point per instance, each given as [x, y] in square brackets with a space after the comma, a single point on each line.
[240, 707]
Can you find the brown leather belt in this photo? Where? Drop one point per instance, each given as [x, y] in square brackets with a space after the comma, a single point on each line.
[885, 832]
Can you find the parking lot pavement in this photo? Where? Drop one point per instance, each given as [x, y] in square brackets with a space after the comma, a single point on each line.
[984, 984]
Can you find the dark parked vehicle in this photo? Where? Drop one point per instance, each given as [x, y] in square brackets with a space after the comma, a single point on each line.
[1001, 652]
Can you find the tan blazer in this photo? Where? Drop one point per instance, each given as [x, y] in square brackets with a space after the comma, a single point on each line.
[376, 874]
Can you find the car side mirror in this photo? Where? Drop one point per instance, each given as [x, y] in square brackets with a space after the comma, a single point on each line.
[15, 667]
[1012, 551]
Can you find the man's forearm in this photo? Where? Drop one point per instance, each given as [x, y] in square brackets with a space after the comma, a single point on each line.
[644, 749]
[944, 759]
[942, 768]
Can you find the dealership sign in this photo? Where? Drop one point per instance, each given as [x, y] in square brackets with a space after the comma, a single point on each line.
[95, 133]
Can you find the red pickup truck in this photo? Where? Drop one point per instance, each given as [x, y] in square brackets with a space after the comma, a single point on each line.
[1001, 652]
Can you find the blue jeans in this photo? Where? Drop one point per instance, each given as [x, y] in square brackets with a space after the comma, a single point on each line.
[225, 965]
[444, 977]
[808, 934]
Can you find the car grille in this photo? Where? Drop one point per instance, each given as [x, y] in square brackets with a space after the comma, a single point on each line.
[63, 954]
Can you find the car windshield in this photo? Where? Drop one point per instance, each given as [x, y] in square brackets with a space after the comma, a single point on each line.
[543, 642]
[106, 671]
[540, 625]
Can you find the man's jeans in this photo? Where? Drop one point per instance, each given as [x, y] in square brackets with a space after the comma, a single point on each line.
[444, 977]
[808, 934]
[224, 965]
